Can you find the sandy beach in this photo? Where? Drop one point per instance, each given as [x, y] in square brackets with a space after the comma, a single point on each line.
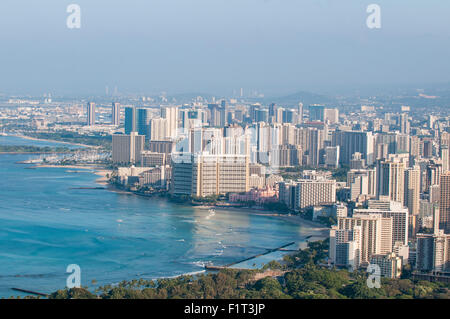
[103, 180]
[323, 231]
[98, 170]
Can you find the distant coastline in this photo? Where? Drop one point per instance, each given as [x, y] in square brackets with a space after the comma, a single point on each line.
[97, 170]
[37, 150]
[30, 153]
[50, 140]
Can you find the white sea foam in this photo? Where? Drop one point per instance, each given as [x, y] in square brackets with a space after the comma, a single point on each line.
[192, 273]
[201, 263]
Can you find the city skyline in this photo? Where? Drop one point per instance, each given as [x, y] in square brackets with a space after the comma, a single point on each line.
[225, 149]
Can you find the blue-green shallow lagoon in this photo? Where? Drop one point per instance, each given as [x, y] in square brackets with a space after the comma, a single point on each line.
[45, 225]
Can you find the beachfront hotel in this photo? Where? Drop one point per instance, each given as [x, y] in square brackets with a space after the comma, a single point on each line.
[310, 193]
[206, 175]
[127, 148]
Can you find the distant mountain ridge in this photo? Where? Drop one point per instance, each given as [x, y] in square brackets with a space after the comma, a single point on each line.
[189, 97]
[306, 98]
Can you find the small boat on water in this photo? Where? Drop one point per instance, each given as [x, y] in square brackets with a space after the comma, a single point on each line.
[212, 212]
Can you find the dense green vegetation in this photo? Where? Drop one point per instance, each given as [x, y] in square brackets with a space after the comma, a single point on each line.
[299, 276]
[32, 149]
[340, 174]
[276, 207]
[327, 221]
[195, 200]
[308, 214]
[293, 173]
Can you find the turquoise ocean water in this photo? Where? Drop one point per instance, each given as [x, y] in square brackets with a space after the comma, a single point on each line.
[45, 225]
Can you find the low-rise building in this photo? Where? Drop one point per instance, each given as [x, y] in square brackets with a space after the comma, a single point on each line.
[390, 265]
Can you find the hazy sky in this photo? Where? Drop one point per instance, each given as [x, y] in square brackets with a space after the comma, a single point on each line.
[218, 45]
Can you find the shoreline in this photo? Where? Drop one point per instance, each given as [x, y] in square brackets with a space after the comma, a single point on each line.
[318, 232]
[97, 170]
[323, 231]
[31, 153]
[295, 219]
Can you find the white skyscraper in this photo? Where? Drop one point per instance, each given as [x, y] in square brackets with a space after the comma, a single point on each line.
[394, 210]
[170, 113]
[332, 156]
[115, 114]
[445, 158]
[412, 196]
[158, 129]
[391, 179]
[90, 114]
[376, 234]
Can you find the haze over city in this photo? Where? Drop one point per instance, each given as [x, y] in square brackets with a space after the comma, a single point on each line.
[277, 47]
